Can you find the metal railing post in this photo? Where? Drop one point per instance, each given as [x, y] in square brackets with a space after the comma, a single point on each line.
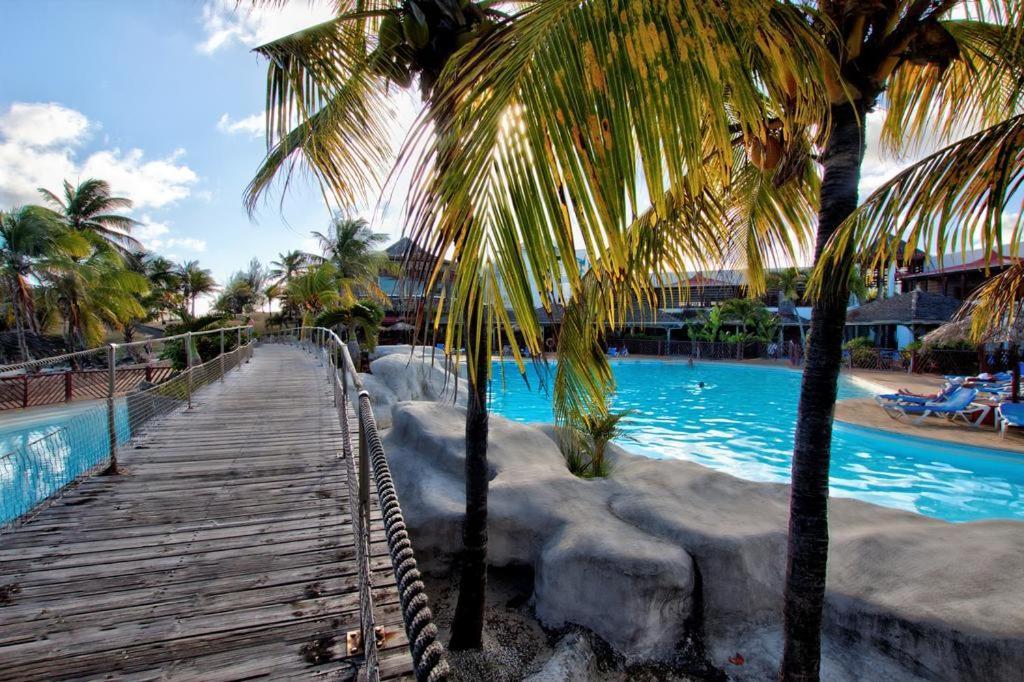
[222, 355]
[364, 473]
[188, 366]
[111, 421]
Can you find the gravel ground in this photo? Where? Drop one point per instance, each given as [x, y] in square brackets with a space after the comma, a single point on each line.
[515, 644]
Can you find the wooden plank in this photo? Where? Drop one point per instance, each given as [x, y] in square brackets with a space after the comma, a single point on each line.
[221, 553]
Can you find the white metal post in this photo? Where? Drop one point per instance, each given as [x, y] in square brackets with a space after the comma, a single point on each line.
[188, 365]
[222, 355]
[111, 421]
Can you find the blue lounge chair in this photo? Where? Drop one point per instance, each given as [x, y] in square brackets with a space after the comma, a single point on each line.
[959, 405]
[613, 351]
[1009, 414]
[941, 396]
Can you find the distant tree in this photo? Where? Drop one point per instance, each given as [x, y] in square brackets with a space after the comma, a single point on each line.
[195, 281]
[350, 246]
[89, 208]
[287, 265]
[30, 237]
[91, 294]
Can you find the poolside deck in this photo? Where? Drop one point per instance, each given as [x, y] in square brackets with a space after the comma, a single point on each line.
[224, 551]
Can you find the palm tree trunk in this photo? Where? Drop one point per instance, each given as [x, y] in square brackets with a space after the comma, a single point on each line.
[807, 550]
[19, 322]
[468, 624]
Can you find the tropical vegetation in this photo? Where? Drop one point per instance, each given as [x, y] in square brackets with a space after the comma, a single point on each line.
[742, 125]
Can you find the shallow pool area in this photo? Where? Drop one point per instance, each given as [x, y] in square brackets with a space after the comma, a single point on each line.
[44, 449]
[739, 419]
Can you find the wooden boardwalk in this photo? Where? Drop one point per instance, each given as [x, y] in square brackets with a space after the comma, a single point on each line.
[224, 551]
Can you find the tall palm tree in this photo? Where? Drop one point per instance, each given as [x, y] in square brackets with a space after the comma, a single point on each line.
[29, 237]
[195, 281]
[570, 72]
[327, 87]
[350, 245]
[90, 208]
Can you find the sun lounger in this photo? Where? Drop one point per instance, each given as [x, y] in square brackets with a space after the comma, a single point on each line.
[959, 405]
[1009, 414]
[943, 394]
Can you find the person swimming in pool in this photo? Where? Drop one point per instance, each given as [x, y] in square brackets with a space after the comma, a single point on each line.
[700, 384]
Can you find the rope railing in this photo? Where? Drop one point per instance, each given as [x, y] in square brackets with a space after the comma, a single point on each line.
[428, 655]
[42, 457]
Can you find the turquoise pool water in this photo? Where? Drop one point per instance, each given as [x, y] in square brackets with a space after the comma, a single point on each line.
[41, 454]
[741, 422]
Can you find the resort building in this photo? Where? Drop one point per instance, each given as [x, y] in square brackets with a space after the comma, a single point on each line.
[895, 322]
[956, 274]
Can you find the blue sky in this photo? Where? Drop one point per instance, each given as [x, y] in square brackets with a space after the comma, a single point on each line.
[163, 99]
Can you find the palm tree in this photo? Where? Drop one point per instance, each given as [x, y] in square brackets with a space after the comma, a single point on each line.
[349, 246]
[165, 280]
[314, 291]
[344, 71]
[91, 294]
[90, 209]
[287, 265]
[273, 291]
[244, 291]
[787, 282]
[30, 237]
[160, 276]
[195, 281]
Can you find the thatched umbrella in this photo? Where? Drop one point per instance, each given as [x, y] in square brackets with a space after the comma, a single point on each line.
[960, 330]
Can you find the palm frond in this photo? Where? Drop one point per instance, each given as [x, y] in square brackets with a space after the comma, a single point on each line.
[936, 101]
[647, 96]
[326, 112]
[962, 197]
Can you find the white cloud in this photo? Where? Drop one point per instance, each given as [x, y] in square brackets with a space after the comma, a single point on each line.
[880, 166]
[38, 144]
[226, 22]
[149, 231]
[154, 236]
[43, 124]
[250, 125]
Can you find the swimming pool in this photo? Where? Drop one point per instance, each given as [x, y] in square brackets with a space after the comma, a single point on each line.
[741, 422]
[43, 450]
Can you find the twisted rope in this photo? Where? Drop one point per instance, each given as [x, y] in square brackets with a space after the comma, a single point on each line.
[428, 655]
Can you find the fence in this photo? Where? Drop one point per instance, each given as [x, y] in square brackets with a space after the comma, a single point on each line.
[929, 360]
[428, 655]
[707, 350]
[50, 388]
[41, 460]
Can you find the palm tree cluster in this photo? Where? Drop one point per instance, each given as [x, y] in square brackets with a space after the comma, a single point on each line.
[661, 137]
[337, 287]
[71, 265]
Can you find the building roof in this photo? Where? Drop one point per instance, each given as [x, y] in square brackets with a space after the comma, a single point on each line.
[996, 262]
[914, 307]
[637, 317]
[406, 247]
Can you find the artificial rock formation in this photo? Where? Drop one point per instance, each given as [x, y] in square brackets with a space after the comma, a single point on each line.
[667, 551]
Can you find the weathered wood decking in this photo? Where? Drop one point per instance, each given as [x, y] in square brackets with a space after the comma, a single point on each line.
[224, 551]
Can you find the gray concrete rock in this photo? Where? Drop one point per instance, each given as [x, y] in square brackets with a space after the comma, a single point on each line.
[404, 372]
[573, 660]
[662, 545]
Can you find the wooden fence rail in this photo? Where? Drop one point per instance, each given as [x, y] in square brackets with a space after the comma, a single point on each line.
[30, 390]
